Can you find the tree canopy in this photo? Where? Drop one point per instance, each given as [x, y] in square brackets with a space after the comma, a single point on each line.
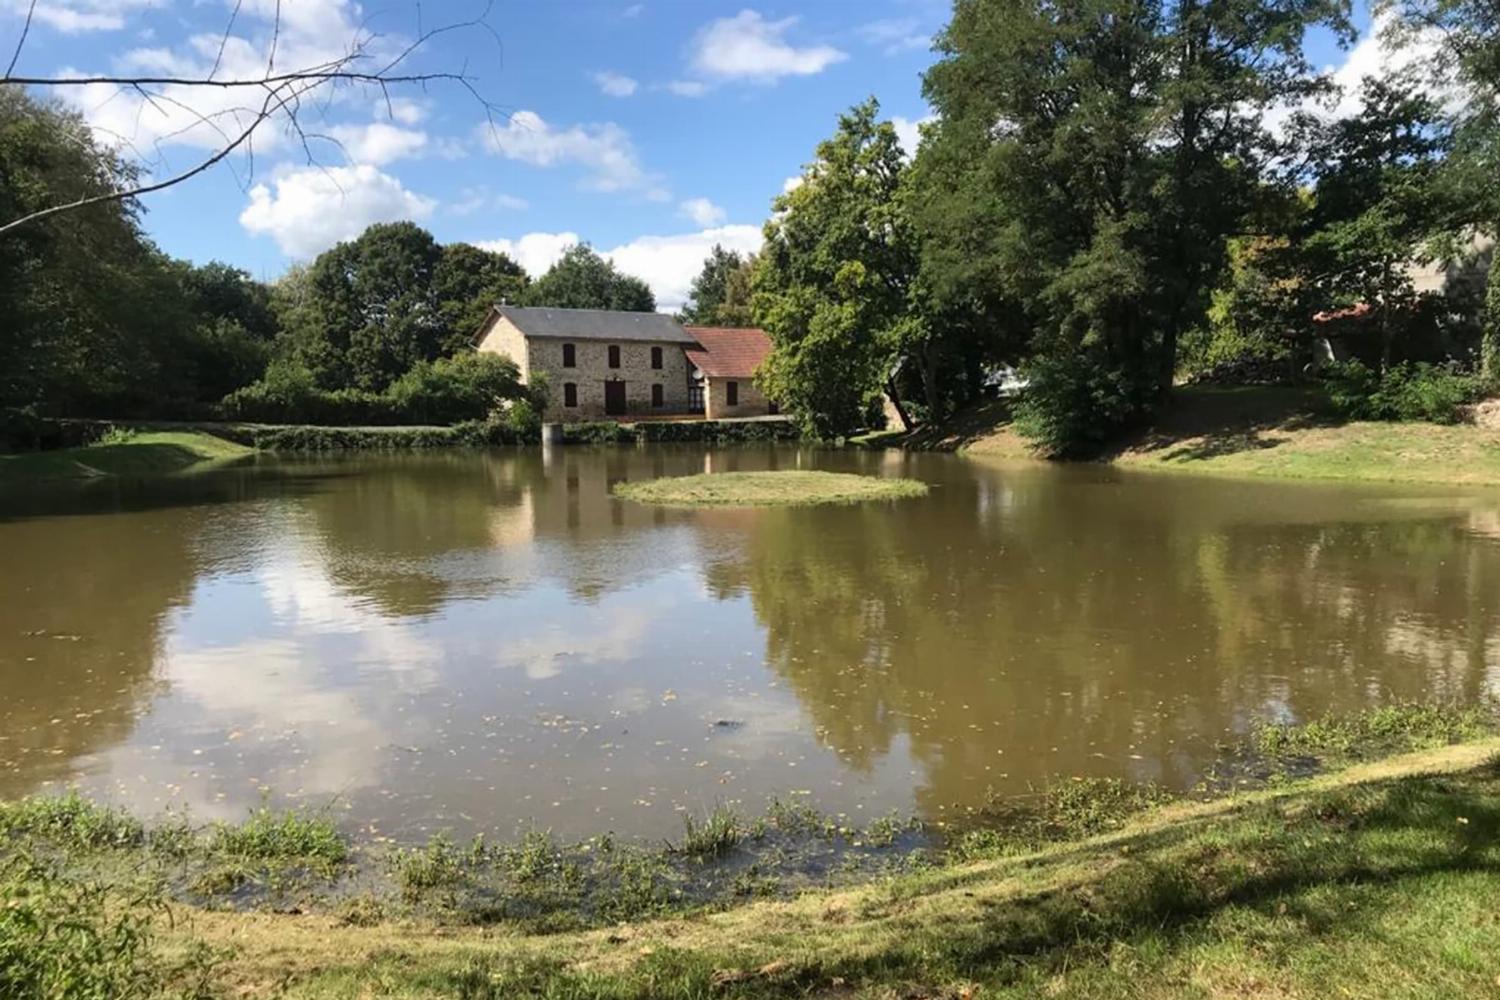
[581, 279]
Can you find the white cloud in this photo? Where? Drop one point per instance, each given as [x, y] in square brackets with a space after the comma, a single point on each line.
[748, 47]
[615, 84]
[634, 10]
[1371, 56]
[377, 142]
[536, 252]
[895, 35]
[670, 263]
[605, 151]
[511, 202]
[667, 263]
[306, 210]
[687, 88]
[472, 199]
[75, 16]
[792, 183]
[909, 132]
[403, 109]
[702, 211]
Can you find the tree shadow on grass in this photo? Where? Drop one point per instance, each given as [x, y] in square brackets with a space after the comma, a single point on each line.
[1205, 423]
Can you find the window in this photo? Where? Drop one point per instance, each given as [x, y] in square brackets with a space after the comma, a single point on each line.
[656, 357]
[570, 394]
[731, 394]
[570, 356]
[658, 397]
[614, 355]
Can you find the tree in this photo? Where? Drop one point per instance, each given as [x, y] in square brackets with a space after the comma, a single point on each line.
[1467, 33]
[1377, 202]
[367, 309]
[720, 295]
[833, 283]
[468, 283]
[581, 279]
[1101, 152]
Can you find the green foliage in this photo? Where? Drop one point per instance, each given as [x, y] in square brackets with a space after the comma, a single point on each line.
[581, 279]
[1389, 729]
[71, 822]
[1490, 336]
[717, 835]
[469, 282]
[290, 836]
[468, 386]
[833, 281]
[721, 293]
[1073, 405]
[61, 939]
[1406, 391]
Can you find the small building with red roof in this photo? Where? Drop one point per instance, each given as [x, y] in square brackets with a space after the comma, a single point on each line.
[723, 366]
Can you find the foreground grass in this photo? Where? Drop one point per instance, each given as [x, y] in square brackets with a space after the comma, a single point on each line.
[757, 489]
[1381, 880]
[1266, 432]
[143, 453]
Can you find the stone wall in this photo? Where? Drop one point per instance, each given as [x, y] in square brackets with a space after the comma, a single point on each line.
[543, 357]
[752, 402]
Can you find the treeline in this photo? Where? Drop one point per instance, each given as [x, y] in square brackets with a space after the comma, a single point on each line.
[95, 321]
[1116, 195]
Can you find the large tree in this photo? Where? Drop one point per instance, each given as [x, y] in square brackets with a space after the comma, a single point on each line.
[581, 279]
[1098, 153]
[720, 295]
[367, 309]
[469, 282]
[833, 284]
[1464, 38]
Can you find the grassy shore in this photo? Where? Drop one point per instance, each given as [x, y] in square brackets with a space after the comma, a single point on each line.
[765, 489]
[125, 453]
[1287, 433]
[1378, 880]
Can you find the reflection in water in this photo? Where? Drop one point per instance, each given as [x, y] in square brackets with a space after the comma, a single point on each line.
[476, 641]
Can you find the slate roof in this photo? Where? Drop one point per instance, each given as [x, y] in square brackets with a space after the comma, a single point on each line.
[728, 352]
[596, 324]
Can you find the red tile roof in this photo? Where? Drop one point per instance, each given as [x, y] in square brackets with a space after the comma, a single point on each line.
[728, 352]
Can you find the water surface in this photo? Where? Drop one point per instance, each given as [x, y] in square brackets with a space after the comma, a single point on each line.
[489, 640]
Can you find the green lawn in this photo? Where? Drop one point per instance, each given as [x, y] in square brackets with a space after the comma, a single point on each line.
[144, 453]
[1265, 432]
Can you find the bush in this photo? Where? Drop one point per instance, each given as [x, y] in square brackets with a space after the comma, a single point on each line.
[446, 391]
[1405, 392]
[1072, 405]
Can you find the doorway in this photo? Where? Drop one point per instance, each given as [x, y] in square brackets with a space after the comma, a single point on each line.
[614, 399]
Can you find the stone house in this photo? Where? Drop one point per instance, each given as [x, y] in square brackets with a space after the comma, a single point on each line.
[724, 362]
[595, 362]
[599, 363]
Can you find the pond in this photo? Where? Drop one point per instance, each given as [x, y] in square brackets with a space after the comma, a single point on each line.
[490, 641]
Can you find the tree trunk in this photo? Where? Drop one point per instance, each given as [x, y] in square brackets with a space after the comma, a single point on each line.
[1489, 342]
[895, 397]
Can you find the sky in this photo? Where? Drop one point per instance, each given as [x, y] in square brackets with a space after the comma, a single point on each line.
[650, 130]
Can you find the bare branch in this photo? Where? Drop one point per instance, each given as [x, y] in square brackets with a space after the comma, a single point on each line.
[21, 42]
[281, 93]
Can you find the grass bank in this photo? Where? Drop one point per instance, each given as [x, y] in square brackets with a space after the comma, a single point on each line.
[768, 489]
[1261, 432]
[1379, 880]
[125, 453]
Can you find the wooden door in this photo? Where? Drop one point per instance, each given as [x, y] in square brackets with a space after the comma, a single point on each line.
[614, 399]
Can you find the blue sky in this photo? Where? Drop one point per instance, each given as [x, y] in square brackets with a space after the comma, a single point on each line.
[650, 129]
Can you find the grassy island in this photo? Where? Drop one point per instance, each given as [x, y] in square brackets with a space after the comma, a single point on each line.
[125, 453]
[768, 489]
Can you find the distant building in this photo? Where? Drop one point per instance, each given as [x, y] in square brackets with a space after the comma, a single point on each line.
[596, 362]
[599, 363]
[724, 365]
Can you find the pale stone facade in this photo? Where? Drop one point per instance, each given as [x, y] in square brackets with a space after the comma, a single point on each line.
[543, 357]
[751, 402]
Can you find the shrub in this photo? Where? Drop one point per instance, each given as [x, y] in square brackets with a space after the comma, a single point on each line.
[1405, 392]
[65, 940]
[466, 387]
[1074, 404]
[282, 837]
